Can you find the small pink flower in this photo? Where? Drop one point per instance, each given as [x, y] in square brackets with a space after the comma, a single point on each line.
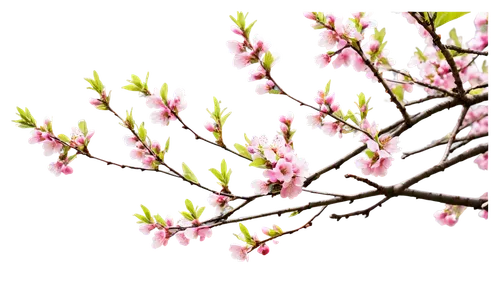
[449, 216]
[181, 237]
[332, 128]
[146, 228]
[292, 188]
[95, 101]
[344, 58]
[315, 120]
[265, 88]
[263, 249]
[282, 172]
[201, 232]
[60, 167]
[235, 47]
[160, 238]
[237, 31]
[482, 161]
[51, 147]
[260, 187]
[148, 161]
[260, 73]
[239, 252]
[38, 136]
[210, 127]
[310, 15]
[218, 201]
[242, 60]
[328, 39]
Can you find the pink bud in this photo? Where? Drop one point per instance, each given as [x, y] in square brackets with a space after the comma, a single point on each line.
[310, 15]
[210, 127]
[373, 46]
[263, 249]
[237, 31]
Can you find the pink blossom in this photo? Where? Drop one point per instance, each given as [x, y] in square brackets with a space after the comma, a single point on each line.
[38, 136]
[292, 188]
[154, 101]
[358, 63]
[160, 238]
[482, 161]
[239, 252]
[378, 164]
[237, 31]
[95, 101]
[51, 146]
[263, 249]
[282, 172]
[449, 216]
[265, 88]
[328, 39]
[389, 144]
[60, 167]
[480, 126]
[202, 232]
[310, 15]
[479, 42]
[148, 161]
[315, 120]
[210, 127]
[331, 128]
[146, 228]
[483, 215]
[319, 98]
[323, 60]
[344, 58]
[181, 237]
[178, 102]
[242, 60]
[260, 187]
[235, 47]
[218, 201]
[260, 73]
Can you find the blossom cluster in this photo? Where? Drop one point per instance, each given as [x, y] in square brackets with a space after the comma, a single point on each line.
[167, 107]
[240, 252]
[141, 152]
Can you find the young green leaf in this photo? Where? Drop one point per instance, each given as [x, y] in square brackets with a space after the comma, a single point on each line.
[82, 125]
[242, 150]
[167, 145]
[399, 92]
[327, 88]
[199, 212]
[216, 112]
[259, 163]
[294, 213]
[137, 81]
[223, 119]
[142, 132]
[164, 92]
[131, 87]
[142, 218]
[160, 220]
[146, 212]
[268, 61]
[245, 232]
[63, 138]
[445, 17]
[187, 215]
[190, 208]
[188, 174]
[223, 167]
[217, 174]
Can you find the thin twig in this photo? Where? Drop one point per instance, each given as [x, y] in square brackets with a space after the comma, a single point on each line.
[454, 133]
[365, 212]
[466, 51]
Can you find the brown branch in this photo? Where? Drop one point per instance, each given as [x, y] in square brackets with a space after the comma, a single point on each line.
[366, 181]
[475, 203]
[466, 51]
[484, 85]
[424, 99]
[454, 133]
[323, 193]
[421, 83]
[449, 59]
[480, 149]
[365, 212]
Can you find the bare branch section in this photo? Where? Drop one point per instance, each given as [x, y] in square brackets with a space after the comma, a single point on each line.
[454, 133]
[465, 51]
[365, 212]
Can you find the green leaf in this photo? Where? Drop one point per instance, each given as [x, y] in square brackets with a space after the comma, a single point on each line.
[83, 127]
[420, 55]
[484, 67]
[142, 218]
[146, 82]
[399, 92]
[292, 215]
[190, 207]
[328, 85]
[163, 93]
[225, 170]
[240, 238]
[146, 212]
[131, 87]
[137, 81]
[160, 220]
[188, 174]
[223, 120]
[445, 17]
[63, 138]
[246, 138]
[249, 29]
[242, 150]
[351, 116]
[187, 215]
[369, 153]
[361, 99]
[379, 35]
[274, 91]
[217, 174]
[245, 232]
[98, 82]
[268, 61]
[142, 132]
[167, 145]
[199, 212]
[216, 112]
[259, 163]
[454, 37]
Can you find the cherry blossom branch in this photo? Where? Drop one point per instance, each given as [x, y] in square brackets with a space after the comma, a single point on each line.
[306, 225]
[202, 138]
[322, 193]
[480, 149]
[424, 99]
[366, 181]
[365, 212]
[437, 41]
[310, 106]
[467, 51]
[421, 83]
[484, 85]
[443, 141]
[454, 133]
[475, 203]
[381, 80]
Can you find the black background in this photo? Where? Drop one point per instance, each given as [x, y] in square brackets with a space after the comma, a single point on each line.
[85, 221]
